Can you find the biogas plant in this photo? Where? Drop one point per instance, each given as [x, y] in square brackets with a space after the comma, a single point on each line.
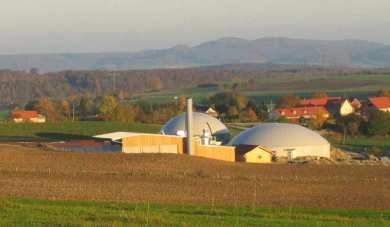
[202, 135]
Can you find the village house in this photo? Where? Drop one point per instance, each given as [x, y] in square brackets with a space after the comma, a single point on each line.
[207, 110]
[20, 116]
[344, 107]
[380, 103]
[300, 112]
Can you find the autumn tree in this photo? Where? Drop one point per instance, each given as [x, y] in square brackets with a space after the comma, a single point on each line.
[383, 92]
[224, 100]
[232, 112]
[86, 107]
[320, 94]
[378, 123]
[260, 109]
[319, 120]
[125, 114]
[249, 115]
[182, 103]
[288, 101]
[48, 108]
[65, 109]
[108, 107]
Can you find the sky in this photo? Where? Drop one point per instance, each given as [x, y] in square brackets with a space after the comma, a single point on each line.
[62, 26]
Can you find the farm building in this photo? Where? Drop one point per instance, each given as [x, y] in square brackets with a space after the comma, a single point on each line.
[202, 123]
[380, 103]
[133, 143]
[253, 154]
[20, 116]
[285, 140]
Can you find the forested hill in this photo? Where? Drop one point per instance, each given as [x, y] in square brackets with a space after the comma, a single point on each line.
[19, 86]
[218, 52]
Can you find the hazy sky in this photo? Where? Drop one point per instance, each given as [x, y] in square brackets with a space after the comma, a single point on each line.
[41, 26]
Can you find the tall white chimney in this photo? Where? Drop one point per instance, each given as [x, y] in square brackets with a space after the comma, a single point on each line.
[189, 127]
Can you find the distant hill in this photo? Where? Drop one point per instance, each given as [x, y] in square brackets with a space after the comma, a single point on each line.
[219, 52]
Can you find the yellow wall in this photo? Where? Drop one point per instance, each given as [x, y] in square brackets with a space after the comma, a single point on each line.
[153, 140]
[223, 153]
[258, 155]
[157, 143]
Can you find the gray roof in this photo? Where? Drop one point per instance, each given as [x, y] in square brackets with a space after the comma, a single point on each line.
[200, 121]
[279, 135]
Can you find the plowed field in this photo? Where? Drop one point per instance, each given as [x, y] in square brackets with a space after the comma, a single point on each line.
[34, 173]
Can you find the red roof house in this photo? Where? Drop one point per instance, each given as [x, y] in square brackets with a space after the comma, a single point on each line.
[27, 116]
[298, 112]
[317, 101]
[380, 103]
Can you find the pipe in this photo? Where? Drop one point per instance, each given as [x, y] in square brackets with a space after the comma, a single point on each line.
[189, 127]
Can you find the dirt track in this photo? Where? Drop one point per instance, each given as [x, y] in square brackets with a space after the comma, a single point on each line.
[29, 172]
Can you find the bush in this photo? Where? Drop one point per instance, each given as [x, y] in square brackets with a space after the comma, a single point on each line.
[378, 123]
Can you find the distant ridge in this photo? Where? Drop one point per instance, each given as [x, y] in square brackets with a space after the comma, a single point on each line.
[230, 50]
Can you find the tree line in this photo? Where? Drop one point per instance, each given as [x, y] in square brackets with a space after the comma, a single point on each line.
[19, 87]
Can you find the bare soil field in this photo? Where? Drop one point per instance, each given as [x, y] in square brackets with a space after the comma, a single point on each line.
[31, 172]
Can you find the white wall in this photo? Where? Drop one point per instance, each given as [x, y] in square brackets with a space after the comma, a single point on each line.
[316, 151]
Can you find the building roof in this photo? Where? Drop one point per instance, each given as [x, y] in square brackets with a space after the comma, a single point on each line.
[300, 111]
[380, 102]
[201, 122]
[24, 114]
[276, 135]
[116, 136]
[317, 101]
[243, 149]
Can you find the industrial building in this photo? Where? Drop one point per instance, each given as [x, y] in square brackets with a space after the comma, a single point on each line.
[203, 125]
[135, 143]
[201, 135]
[195, 134]
[284, 140]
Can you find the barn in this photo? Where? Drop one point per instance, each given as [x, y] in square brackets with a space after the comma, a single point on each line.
[285, 140]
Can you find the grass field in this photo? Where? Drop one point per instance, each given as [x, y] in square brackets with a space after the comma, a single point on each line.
[29, 212]
[4, 115]
[273, 87]
[363, 143]
[67, 130]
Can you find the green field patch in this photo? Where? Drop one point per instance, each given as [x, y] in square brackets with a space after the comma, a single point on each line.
[4, 115]
[82, 213]
[374, 77]
[363, 143]
[68, 130]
